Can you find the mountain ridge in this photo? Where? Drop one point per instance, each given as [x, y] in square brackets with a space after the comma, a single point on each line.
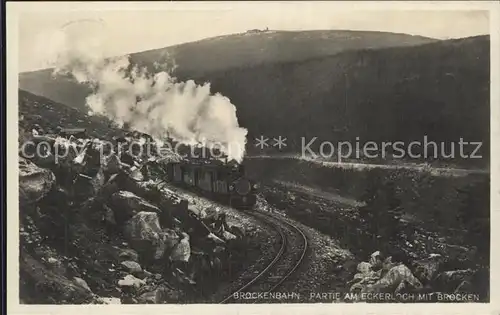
[439, 89]
[236, 36]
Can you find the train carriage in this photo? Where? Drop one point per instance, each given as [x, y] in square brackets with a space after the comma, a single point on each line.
[222, 182]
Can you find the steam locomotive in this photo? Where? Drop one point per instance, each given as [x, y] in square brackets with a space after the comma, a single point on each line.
[223, 182]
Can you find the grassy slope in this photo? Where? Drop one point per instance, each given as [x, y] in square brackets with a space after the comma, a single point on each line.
[49, 114]
[224, 52]
[250, 49]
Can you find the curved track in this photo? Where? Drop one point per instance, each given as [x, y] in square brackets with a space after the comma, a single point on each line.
[293, 249]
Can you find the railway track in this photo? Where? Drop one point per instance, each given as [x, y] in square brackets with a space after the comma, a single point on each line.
[290, 255]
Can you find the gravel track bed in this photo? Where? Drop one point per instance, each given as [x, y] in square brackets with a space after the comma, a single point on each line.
[262, 244]
[292, 255]
[325, 271]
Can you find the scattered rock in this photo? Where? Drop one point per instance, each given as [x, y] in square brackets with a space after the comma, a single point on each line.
[168, 240]
[54, 264]
[143, 226]
[215, 239]
[131, 281]
[228, 236]
[450, 280]
[362, 280]
[82, 283]
[238, 232]
[52, 260]
[394, 277]
[110, 300]
[403, 287]
[427, 269]
[132, 266]
[182, 278]
[148, 298]
[146, 274]
[364, 267]
[219, 249]
[182, 251]
[129, 254]
[160, 295]
[34, 182]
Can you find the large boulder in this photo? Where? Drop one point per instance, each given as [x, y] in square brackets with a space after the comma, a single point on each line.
[199, 232]
[43, 156]
[126, 204]
[146, 236]
[364, 267]
[365, 276]
[448, 281]
[34, 182]
[82, 283]
[393, 280]
[427, 269]
[228, 236]
[131, 266]
[159, 295]
[362, 280]
[171, 204]
[131, 281]
[129, 254]
[168, 240]
[182, 251]
[109, 300]
[143, 226]
[376, 260]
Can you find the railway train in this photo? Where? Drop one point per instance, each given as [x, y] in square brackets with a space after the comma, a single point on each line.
[223, 182]
[75, 132]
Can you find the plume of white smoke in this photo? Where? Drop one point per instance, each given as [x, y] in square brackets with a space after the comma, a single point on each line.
[153, 103]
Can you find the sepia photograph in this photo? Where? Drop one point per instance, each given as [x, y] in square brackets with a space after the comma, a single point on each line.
[251, 153]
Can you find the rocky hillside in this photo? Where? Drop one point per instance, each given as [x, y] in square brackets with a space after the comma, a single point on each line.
[109, 237]
[101, 233]
[34, 109]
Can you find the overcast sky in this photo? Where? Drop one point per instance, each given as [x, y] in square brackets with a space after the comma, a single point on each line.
[133, 30]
